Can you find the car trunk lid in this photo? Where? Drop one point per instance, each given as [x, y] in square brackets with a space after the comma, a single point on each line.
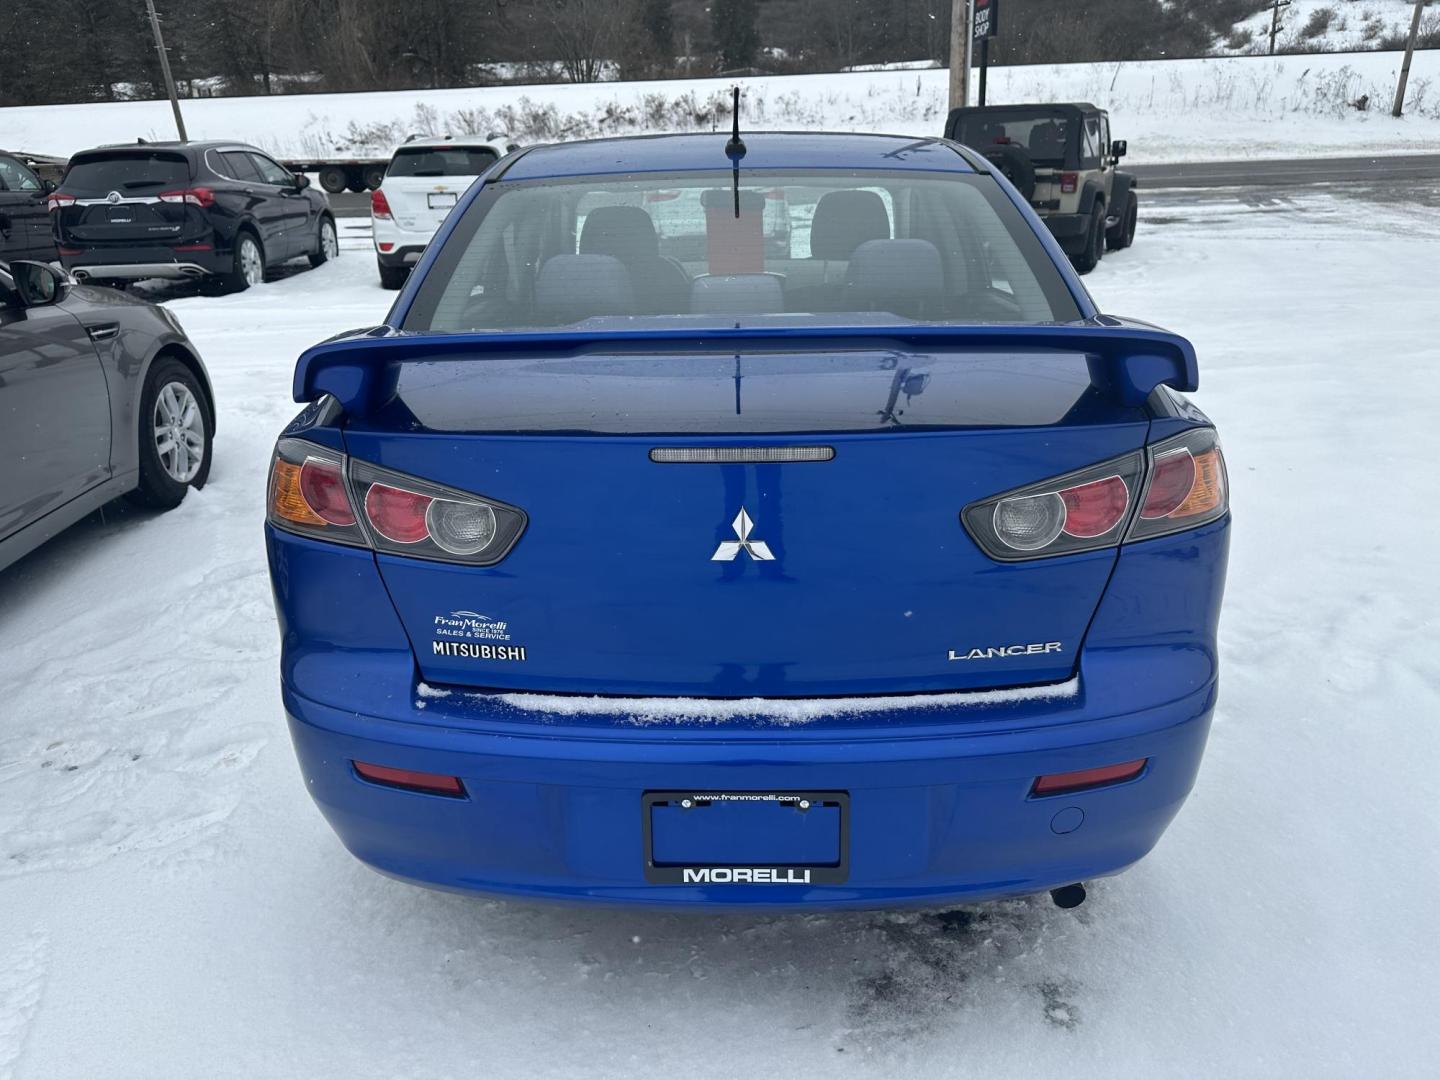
[848, 572]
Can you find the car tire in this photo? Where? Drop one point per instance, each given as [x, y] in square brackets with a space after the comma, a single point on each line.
[392, 277]
[1094, 250]
[248, 265]
[176, 435]
[1123, 235]
[333, 179]
[327, 242]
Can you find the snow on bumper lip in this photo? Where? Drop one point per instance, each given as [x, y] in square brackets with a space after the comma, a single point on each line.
[939, 816]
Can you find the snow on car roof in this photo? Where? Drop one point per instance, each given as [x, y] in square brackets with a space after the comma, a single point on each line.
[764, 150]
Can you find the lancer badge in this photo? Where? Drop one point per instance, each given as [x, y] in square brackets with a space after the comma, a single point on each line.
[756, 549]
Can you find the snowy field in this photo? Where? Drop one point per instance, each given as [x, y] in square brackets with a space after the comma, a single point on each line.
[173, 906]
[1328, 25]
[1181, 110]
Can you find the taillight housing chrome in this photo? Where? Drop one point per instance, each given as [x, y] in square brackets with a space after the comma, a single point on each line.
[1173, 485]
[319, 492]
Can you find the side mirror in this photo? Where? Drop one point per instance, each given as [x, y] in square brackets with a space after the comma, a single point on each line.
[1117, 149]
[38, 284]
[301, 181]
[48, 186]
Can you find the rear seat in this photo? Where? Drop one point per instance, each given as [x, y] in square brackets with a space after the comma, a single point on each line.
[843, 221]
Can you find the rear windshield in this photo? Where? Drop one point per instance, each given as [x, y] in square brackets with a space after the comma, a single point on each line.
[695, 249]
[100, 174]
[1044, 138]
[441, 161]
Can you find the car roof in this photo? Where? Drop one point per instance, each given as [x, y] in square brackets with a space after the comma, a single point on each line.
[199, 146]
[1032, 106]
[763, 150]
[431, 142]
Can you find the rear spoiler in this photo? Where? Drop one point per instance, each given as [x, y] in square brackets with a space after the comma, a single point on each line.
[1127, 358]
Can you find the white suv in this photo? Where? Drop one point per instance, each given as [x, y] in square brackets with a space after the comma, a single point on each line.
[425, 179]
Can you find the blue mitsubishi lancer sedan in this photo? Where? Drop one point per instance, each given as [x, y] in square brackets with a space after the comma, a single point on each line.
[771, 522]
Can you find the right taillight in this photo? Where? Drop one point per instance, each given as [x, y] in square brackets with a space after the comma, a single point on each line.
[316, 491]
[1173, 485]
[1186, 485]
[56, 201]
[379, 205]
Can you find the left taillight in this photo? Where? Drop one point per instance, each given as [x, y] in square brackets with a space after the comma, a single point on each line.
[1173, 485]
[320, 492]
[56, 201]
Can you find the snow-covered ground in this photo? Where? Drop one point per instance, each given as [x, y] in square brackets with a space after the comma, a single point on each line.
[173, 906]
[1179, 110]
[1324, 25]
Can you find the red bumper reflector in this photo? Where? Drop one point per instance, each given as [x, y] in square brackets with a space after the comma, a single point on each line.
[1060, 783]
[410, 780]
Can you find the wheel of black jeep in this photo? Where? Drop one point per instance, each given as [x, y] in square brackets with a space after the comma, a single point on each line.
[1094, 249]
[175, 435]
[1123, 235]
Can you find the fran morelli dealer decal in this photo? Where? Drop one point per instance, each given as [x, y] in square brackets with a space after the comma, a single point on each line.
[473, 636]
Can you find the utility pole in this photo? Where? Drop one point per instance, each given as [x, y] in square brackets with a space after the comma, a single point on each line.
[1405, 65]
[165, 70]
[961, 23]
[1275, 22]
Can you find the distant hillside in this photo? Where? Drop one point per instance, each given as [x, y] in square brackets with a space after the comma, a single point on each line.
[1330, 26]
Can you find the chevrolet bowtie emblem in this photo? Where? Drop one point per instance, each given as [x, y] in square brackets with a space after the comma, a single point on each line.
[756, 549]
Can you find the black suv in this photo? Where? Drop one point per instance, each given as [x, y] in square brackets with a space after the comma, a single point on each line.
[186, 210]
[24, 225]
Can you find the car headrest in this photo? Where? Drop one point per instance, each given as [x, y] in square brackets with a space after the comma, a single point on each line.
[844, 220]
[736, 294]
[903, 276]
[575, 287]
[625, 232]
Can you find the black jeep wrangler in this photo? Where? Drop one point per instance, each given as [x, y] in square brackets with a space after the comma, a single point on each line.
[1062, 159]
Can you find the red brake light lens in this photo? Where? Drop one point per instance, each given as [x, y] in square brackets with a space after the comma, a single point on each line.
[323, 489]
[1069, 182]
[1170, 483]
[1095, 508]
[199, 196]
[1085, 779]
[379, 205]
[56, 201]
[396, 514]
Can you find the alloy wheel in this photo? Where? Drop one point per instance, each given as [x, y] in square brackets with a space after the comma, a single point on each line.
[179, 432]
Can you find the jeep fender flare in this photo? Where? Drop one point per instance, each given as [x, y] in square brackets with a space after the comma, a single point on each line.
[1120, 189]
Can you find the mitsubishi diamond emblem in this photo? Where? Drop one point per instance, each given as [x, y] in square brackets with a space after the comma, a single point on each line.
[756, 549]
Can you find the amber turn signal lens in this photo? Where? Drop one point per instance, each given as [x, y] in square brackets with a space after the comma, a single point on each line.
[1208, 490]
[287, 502]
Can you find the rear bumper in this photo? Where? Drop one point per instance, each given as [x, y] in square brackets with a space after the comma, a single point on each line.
[397, 246]
[135, 271]
[132, 263]
[936, 816]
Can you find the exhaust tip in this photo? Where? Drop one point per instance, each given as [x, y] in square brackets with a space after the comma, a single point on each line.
[80, 275]
[1068, 896]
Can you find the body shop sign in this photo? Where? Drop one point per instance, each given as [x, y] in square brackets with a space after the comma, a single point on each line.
[986, 14]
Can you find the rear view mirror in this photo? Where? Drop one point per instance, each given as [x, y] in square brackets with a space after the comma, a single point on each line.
[38, 284]
[1117, 148]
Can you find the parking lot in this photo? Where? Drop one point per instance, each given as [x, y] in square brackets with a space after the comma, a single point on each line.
[174, 905]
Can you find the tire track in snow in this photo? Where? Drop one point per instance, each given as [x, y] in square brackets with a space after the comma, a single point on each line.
[22, 980]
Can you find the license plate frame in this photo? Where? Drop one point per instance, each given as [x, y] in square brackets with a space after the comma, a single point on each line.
[750, 873]
[441, 200]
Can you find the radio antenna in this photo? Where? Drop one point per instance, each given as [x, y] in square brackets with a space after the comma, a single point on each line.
[735, 148]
